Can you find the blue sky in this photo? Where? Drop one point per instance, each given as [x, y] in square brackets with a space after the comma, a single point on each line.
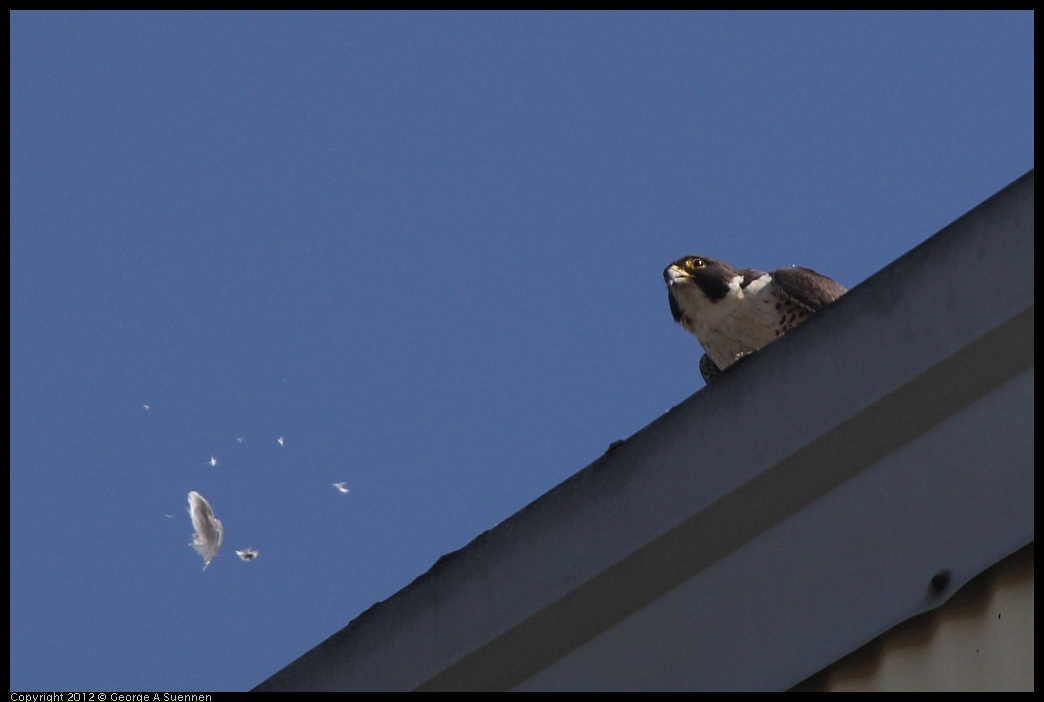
[424, 249]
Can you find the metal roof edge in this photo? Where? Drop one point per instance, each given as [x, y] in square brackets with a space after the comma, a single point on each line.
[885, 364]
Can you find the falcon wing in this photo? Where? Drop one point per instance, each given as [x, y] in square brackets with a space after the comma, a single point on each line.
[807, 288]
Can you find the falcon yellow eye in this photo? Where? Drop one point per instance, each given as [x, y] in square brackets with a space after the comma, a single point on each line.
[695, 263]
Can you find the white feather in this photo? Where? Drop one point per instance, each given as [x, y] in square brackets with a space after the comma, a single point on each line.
[247, 554]
[209, 532]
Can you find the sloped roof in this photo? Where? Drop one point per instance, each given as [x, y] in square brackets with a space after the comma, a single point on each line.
[713, 551]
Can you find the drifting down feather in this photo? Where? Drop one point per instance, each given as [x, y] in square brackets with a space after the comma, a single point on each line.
[209, 532]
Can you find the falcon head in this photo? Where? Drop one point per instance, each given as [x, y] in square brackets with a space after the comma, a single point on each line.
[696, 284]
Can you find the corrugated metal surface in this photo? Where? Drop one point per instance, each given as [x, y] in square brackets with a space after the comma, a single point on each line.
[981, 639]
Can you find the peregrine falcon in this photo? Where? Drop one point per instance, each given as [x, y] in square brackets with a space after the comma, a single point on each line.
[735, 311]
